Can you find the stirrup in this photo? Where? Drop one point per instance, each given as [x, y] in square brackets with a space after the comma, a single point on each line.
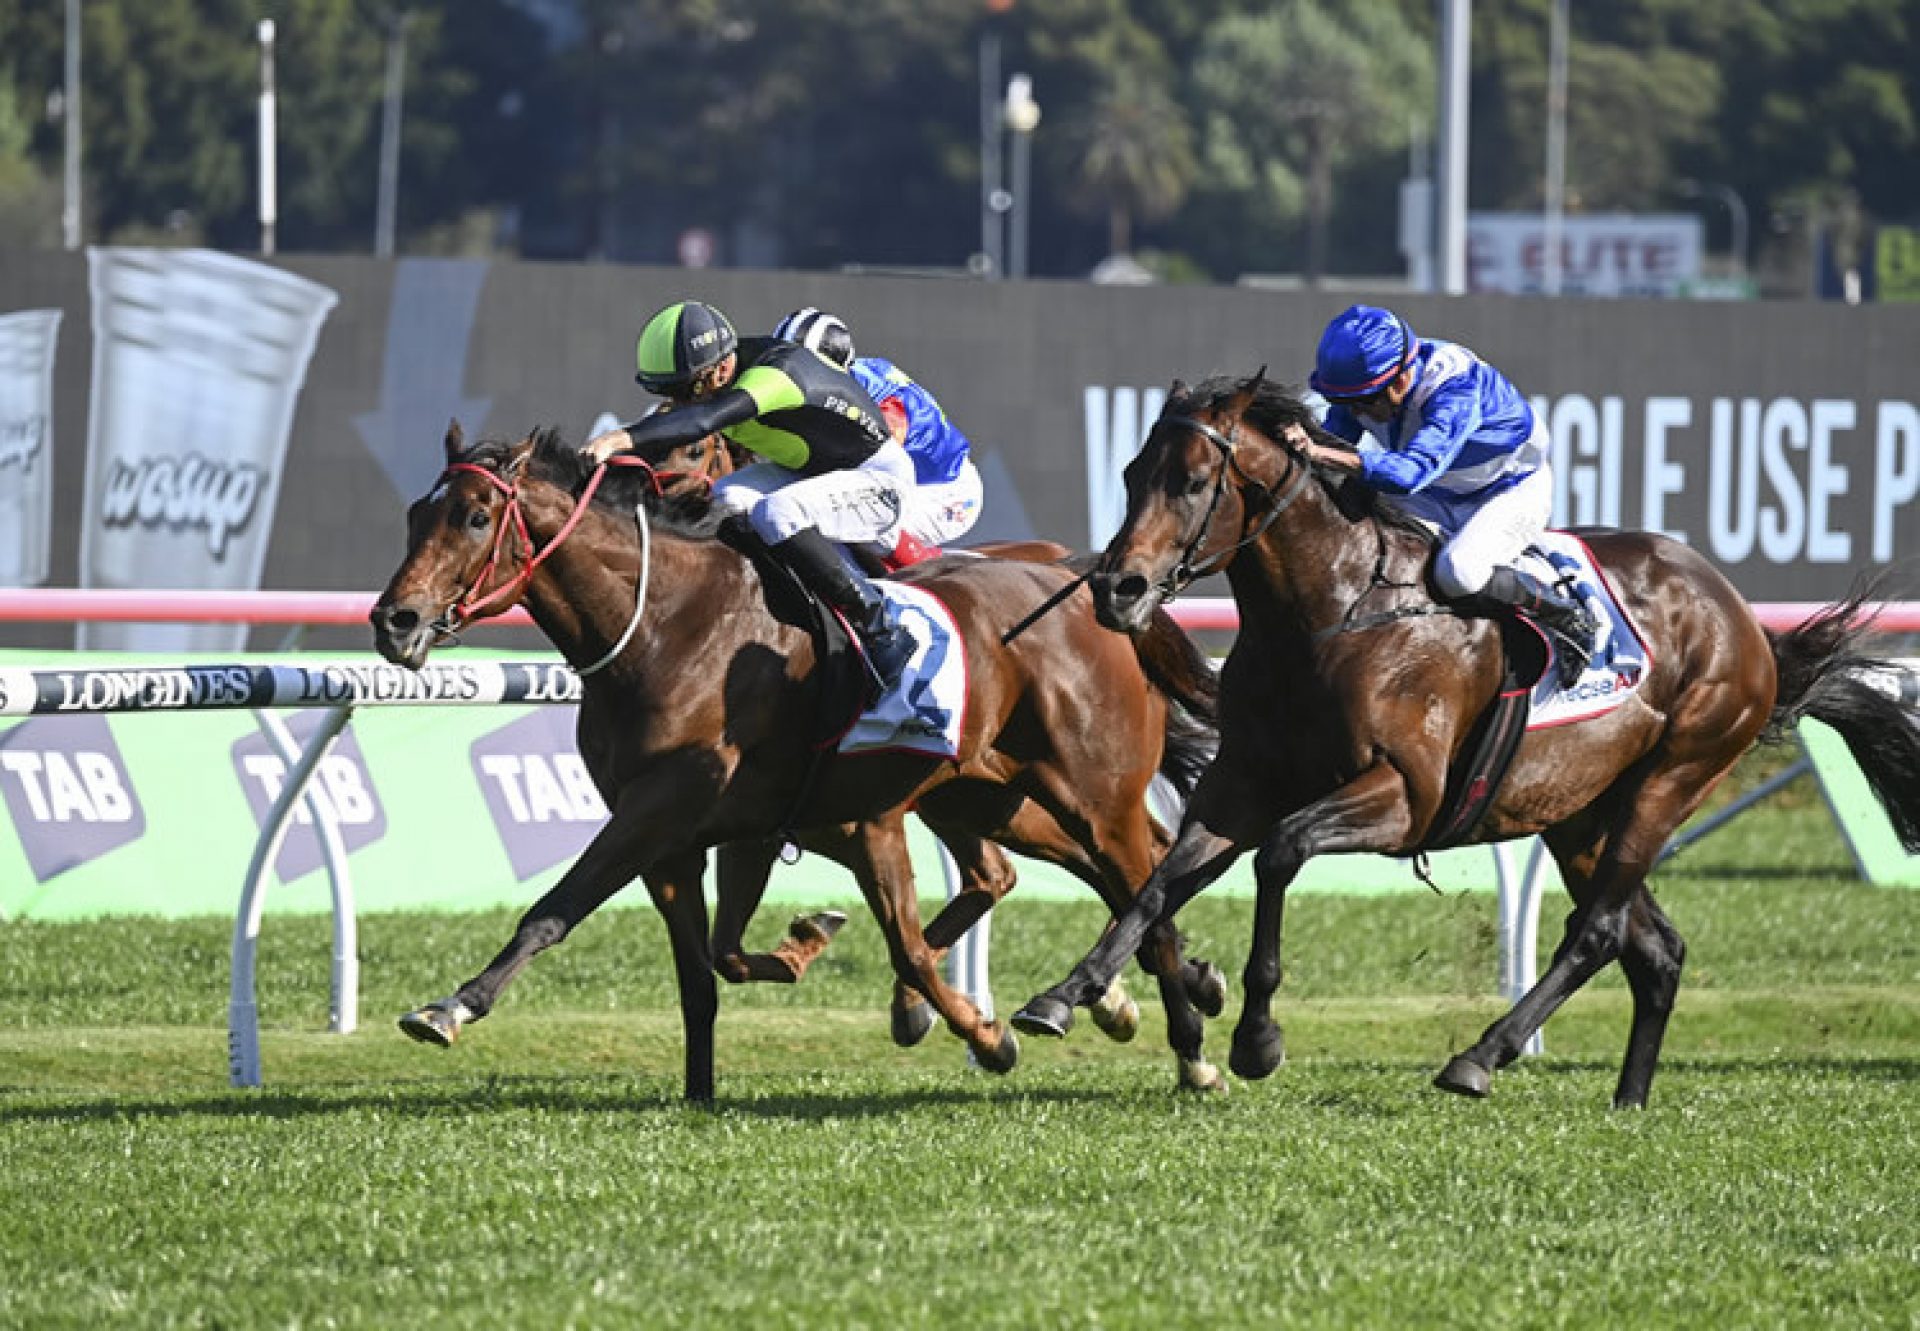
[887, 653]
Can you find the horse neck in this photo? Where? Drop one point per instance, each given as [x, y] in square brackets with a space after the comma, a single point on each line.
[1309, 566]
[583, 595]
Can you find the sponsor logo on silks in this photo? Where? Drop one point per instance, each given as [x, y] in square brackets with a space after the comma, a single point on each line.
[181, 493]
[341, 786]
[1598, 686]
[536, 786]
[67, 792]
[21, 440]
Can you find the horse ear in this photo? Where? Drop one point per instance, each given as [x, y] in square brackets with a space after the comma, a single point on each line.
[1259, 377]
[1178, 389]
[517, 460]
[456, 440]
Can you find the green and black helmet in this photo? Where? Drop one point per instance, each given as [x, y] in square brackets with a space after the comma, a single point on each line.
[680, 343]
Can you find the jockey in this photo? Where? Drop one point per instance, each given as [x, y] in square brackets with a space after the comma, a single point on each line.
[1447, 438]
[945, 501]
[830, 471]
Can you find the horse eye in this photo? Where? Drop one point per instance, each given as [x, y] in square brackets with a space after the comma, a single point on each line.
[1195, 484]
[478, 519]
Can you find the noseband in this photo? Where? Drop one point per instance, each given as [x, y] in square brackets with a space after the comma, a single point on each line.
[1186, 569]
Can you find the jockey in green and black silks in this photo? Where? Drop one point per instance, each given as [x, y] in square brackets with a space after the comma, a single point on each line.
[829, 472]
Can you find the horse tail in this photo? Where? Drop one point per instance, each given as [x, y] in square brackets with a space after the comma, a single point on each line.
[1823, 676]
[1175, 665]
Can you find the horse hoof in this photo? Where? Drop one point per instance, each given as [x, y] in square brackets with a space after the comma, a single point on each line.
[820, 927]
[999, 1057]
[1201, 1077]
[1256, 1056]
[1208, 992]
[1463, 1076]
[1117, 1015]
[1045, 1015]
[436, 1023]
[911, 1022]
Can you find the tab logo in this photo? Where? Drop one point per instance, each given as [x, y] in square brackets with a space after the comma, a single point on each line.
[67, 791]
[341, 786]
[536, 786]
[1118, 422]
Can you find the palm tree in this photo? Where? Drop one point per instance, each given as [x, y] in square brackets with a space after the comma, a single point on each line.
[1133, 157]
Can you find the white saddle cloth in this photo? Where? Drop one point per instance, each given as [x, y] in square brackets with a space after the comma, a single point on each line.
[925, 711]
[1620, 657]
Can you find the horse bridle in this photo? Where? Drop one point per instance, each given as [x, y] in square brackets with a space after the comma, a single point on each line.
[1185, 571]
[465, 606]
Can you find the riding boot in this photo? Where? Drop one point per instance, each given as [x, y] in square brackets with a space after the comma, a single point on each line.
[1567, 619]
[831, 574]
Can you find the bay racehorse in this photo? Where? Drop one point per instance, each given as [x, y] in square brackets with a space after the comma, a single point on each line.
[1350, 694]
[698, 723]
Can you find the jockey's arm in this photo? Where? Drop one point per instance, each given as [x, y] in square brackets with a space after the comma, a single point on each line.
[684, 424]
[1447, 420]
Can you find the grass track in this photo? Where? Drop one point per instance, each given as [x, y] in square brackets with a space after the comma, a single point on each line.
[544, 1173]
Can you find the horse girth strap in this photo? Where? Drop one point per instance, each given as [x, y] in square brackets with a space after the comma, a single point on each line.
[1380, 619]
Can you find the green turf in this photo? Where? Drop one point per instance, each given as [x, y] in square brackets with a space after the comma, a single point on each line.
[544, 1173]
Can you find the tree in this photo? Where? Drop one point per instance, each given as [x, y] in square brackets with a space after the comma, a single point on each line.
[1288, 93]
[1134, 155]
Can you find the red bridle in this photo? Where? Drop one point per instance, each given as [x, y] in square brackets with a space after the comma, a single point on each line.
[462, 611]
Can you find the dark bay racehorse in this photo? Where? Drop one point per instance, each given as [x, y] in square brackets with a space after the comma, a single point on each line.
[698, 724]
[1349, 695]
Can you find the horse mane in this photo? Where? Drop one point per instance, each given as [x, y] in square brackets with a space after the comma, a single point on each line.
[1273, 408]
[558, 463]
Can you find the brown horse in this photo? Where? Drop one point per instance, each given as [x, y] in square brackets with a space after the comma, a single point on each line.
[698, 724]
[1349, 695]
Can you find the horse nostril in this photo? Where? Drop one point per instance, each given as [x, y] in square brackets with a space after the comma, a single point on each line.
[402, 621]
[1128, 589]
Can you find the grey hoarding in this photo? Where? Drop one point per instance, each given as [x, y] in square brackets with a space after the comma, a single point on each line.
[1783, 439]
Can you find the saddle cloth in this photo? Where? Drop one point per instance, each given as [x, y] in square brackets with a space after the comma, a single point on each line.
[925, 711]
[1620, 656]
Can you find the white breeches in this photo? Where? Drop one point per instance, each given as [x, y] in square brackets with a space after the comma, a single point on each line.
[940, 514]
[1477, 536]
[864, 503]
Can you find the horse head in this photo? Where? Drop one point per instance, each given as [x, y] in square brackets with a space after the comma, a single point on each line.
[1202, 487]
[468, 550]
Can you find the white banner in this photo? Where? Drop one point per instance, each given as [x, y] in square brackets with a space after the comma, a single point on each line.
[1622, 255]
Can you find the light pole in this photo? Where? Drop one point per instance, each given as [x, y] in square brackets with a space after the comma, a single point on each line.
[992, 196]
[70, 109]
[389, 196]
[1023, 116]
[1736, 210]
[1555, 191]
[1450, 226]
[269, 164]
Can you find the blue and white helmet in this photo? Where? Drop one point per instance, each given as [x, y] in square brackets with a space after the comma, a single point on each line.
[819, 332]
[1361, 352]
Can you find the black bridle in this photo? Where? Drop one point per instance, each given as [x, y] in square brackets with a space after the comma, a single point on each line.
[1186, 569]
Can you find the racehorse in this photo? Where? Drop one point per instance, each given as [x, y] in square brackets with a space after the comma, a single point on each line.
[1349, 695]
[696, 722]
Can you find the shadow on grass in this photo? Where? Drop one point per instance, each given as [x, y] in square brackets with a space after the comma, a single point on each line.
[593, 1095]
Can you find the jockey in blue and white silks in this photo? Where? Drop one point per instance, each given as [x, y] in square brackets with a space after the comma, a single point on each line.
[945, 500]
[1447, 438]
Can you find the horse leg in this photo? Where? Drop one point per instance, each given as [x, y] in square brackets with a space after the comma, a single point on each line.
[1607, 868]
[674, 885]
[1368, 813]
[741, 872]
[1652, 959]
[986, 875]
[609, 863]
[1199, 856]
[876, 851]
